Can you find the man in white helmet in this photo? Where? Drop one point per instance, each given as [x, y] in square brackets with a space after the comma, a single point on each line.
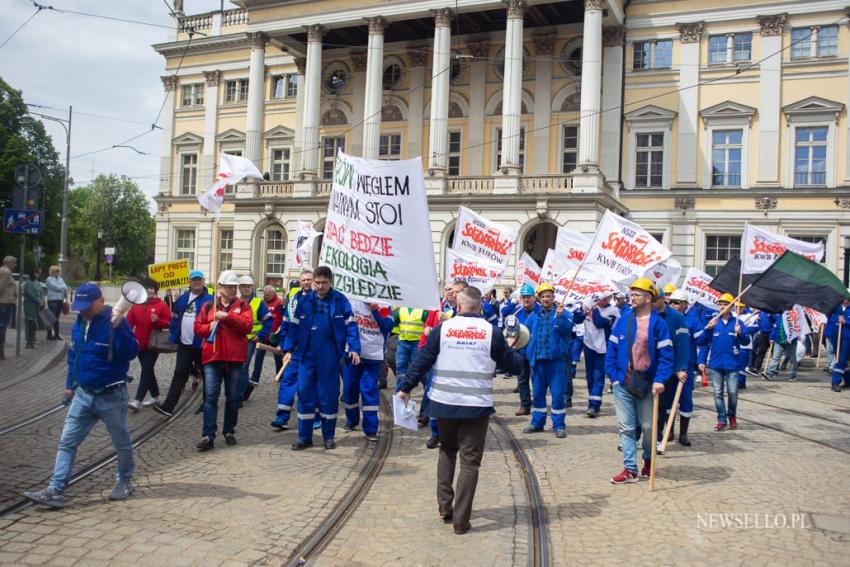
[260, 331]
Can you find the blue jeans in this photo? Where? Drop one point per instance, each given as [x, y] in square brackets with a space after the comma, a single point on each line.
[6, 310]
[779, 351]
[524, 384]
[243, 376]
[405, 353]
[85, 411]
[214, 374]
[632, 414]
[727, 379]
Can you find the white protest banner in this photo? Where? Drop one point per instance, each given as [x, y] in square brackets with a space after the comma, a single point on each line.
[479, 237]
[795, 324]
[818, 319]
[588, 287]
[527, 271]
[760, 248]
[378, 235]
[465, 268]
[621, 248]
[666, 272]
[697, 289]
[302, 245]
[231, 170]
[571, 245]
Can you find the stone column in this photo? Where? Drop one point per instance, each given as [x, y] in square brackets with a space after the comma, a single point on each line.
[358, 99]
[415, 99]
[207, 166]
[474, 156]
[312, 102]
[591, 89]
[770, 100]
[256, 96]
[169, 83]
[512, 87]
[440, 73]
[687, 152]
[544, 46]
[612, 102]
[298, 140]
[374, 87]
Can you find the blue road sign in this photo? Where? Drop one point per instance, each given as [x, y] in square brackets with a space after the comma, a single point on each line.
[18, 221]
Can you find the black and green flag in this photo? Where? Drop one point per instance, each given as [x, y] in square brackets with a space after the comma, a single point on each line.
[794, 279]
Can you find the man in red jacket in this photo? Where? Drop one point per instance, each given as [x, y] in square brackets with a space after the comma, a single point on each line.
[154, 314]
[223, 324]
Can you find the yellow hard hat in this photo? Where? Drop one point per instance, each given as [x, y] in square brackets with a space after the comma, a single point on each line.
[669, 288]
[645, 284]
[545, 286]
[726, 298]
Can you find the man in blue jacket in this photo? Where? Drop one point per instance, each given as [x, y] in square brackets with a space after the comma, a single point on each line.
[182, 333]
[597, 330]
[681, 337]
[842, 348]
[639, 347]
[321, 332]
[102, 346]
[679, 302]
[548, 351]
[528, 306]
[761, 342]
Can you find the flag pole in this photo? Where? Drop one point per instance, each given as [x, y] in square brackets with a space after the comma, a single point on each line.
[670, 420]
[581, 265]
[654, 444]
[820, 347]
[734, 301]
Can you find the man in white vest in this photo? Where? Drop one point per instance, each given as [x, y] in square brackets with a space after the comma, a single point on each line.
[464, 352]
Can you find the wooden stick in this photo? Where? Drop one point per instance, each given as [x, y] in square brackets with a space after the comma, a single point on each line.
[280, 372]
[669, 426]
[580, 266]
[263, 346]
[728, 307]
[767, 360]
[654, 443]
[820, 346]
[838, 347]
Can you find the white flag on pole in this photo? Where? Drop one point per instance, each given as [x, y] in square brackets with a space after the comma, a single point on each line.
[527, 271]
[760, 248]
[622, 248]
[666, 272]
[231, 170]
[472, 270]
[302, 245]
[697, 289]
[482, 238]
[571, 245]
[795, 324]
[587, 288]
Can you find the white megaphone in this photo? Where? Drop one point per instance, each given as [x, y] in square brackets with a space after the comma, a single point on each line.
[132, 293]
[517, 334]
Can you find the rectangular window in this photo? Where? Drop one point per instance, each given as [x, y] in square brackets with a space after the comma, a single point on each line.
[719, 249]
[569, 151]
[275, 253]
[717, 50]
[828, 41]
[801, 43]
[188, 174]
[649, 161]
[812, 239]
[292, 85]
[278, 86]
[188, 95]
[656, 54]
[236, 90]
[192, 95]
[455, 144]
[521, 149]
[280, 164]
[726, 148]
[243, 89]
[810, 156]
[389, 147]
[663, 54]
[641, 55]
[330, 145]
[743, 47]
[186, 246]
[225, 249]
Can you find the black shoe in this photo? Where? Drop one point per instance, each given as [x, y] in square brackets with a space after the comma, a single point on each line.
[372, 437]
[742, 386]
[159, 409]
[684, 422]
[382, 384]
[58, 338]
[569, 402]
[422, 420]
[530, 429]
[592, 412]
[516, 390]
[280, 425]
[461, 529]
[200, 409]
[836, 388]
[248, 393]
[347, 428]
[230, 439]
[301, 445]
[560, 433]
[433, 442]
[205, 444]
[446, 513]
[329, 444]
[766, 376]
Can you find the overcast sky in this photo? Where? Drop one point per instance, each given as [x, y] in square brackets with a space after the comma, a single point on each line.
[100, 67]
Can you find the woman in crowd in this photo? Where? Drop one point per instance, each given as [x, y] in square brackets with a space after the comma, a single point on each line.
[57, 293]
[33, 302]
[144, 319]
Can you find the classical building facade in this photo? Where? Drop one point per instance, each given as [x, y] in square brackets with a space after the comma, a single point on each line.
[692, 118]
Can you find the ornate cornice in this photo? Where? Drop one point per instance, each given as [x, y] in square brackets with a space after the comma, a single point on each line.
[358, 61]
[301, 65]
[613, 36]
[684, 203]
[442, 18]
[772, 25]
[766, 203]
[258, 40]
[690, 32]
[169, 82]
[842, 203]
[417, 57]
[315, 32]
[544, 44]
[594, 5]
[515, 9]
[377, 25]
[212, 78]
[479, 48]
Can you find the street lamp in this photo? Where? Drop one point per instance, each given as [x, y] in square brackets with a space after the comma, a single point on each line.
[847, 261]
[97, 275]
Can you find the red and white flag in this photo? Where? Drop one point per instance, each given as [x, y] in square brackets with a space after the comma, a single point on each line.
[794, 321]
[697, 289]
[474, 271]
[666, 272]
[302, 245]
[571, 245]
[231, 170]
[482, 238]
[760, 248]
[622, 248]
[586, 288]
[527, 271]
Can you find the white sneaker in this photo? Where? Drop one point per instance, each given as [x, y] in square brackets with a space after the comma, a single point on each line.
[149, 401]
[133, 405]
[658, 450]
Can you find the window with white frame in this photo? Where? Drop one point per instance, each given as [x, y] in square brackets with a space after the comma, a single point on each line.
[655, 54]
[292, 85]
[649, 160]
[521, 149]
[280, 164]
[455, 144]
[719, 249]
[330, 146]
[742, 47]
[192, 95]
[726, 150]
[185, 248]
[812, 239]
[284, 86]
[275, 257]
[389, 147]
[717, 50]
[225, 249]
[236, 90]
[188, 174]
[814, 42]
[730, 48]
[810, 155]
[569, 148]
[827, 41]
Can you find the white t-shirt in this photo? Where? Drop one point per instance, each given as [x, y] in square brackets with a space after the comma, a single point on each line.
[187, 323]
[371, 338]
[594, 337]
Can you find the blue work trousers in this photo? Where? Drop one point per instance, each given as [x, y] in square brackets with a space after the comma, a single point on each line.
[594, 363]
[286, 389]
[318, 386]
[360, 386]
[216, 373]
[686, 399]
[259, 358]
[243, 379]
[405, 353]
[839, 369]
[549, 374]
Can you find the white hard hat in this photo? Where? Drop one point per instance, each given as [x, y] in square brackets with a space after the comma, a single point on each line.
[246, 280]
[228, 277]
[678, 295]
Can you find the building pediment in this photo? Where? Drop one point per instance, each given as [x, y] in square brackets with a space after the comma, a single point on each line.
[728, 109]
[813, 108]
[188, 139]
[650, 113]
[232, 135]
[279, 132]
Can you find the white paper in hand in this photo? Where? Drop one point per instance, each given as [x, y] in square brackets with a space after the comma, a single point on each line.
[404, 416]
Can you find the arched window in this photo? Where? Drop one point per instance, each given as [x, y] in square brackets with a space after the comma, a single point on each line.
[275, 256]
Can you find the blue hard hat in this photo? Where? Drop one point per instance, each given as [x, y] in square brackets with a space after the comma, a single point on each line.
[526, 290]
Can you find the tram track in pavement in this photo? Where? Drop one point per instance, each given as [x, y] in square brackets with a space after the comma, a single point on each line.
[780, 392]
[99, 464]
[30, 420]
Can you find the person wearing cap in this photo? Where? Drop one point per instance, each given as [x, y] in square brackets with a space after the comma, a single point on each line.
[639, 361]
[260, 331]
[528, 306]
[680, 334]
[223, 324]
[548, 351]
[840, 374]
[597, 330]
[182, 333]
[724, 336]
[679, 302]
[322, 331]
[102, 346]
[144, 318]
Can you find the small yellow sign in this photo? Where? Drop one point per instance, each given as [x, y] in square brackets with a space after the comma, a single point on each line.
[170, 274]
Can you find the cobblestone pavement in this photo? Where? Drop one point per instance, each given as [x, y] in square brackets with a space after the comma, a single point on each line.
[255, 502]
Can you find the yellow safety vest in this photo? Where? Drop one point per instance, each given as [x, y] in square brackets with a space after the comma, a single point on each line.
[258, 325]
[410, 324]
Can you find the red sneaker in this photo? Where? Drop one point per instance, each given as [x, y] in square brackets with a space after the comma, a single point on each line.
[624, 477]
[720, 427]
[647, 466]
[733, 423]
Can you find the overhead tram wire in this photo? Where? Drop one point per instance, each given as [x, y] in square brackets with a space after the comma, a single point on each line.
[99, 16]
[28, 20]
